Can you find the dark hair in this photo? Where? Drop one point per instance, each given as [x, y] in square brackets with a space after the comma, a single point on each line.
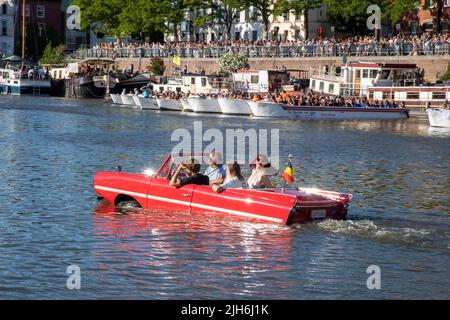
[193, 166]
[235, 169]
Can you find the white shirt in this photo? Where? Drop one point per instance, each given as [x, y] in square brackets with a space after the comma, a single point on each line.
[233, 183]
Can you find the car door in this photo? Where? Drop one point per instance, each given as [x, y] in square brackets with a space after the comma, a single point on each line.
[161, 196]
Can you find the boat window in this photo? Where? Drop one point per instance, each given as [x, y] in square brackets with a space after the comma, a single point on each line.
[203, 82]
[439, 95]
[373, 74]
[313, 84]
[358, 74]
[331, 88]
[387, 95]
[192, 80]
[178, 89]
[370, 94]
[385, 74]
[254, 79]
[365, 73]
[412, 95]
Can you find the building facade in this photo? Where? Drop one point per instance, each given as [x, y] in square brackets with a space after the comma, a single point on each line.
[249, 27]
[425, 19]
[44, 23]
[7, 19]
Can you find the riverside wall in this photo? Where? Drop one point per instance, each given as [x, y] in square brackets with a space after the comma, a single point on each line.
[434, 66]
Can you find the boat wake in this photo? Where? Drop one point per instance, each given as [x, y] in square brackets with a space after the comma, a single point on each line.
[367, 229]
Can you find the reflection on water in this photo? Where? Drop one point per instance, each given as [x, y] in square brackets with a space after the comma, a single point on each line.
[397, 170]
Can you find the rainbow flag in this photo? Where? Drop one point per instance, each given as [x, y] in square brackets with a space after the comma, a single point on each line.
[177, 60]
[288, 174]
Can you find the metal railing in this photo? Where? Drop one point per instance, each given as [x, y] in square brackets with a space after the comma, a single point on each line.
[282, 51]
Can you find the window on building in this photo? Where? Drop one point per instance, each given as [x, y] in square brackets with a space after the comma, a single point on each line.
[40, 11]
[285, 16]
[331, 88]
[237, 35]
[313, 84]
[321, 86]
[4, 28]
[247, 15]
[203, 82]
[254, 79]
[27, 10]
[192, 80]
[297, 34]
[254, 35]
[4, 9]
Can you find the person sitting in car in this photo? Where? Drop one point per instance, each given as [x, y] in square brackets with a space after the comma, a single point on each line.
[216, 170]
[262, 171]
[233, 180]
[192, 169]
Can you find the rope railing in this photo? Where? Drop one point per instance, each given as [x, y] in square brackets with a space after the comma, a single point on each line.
[292, 51]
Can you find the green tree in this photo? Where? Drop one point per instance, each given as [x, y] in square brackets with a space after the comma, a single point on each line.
[299, 7]
[446, 75]
[231, 62]
[222, 12]
[265, 8]
[104, 14]
[157, 66]
[52, 55]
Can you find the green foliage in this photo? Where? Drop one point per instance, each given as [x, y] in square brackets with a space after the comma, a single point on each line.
[231, 62]
[52, 55]
[351, 15]
[223, 12]
[446, 76]
[157, 66]
[123, 18]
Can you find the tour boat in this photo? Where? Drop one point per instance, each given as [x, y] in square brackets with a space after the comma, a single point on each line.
[169, 104]
[145, 103]
[234, 106]
[186, 106]
[439, 117]
[15, 82]
[401, 82]
[116, 98]
[127, 99]
[277, 110]
[284, 206]
[204, 105]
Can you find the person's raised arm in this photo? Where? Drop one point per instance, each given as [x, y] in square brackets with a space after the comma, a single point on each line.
[175, 182]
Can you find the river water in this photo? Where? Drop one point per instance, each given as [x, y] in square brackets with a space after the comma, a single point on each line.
[50, 218]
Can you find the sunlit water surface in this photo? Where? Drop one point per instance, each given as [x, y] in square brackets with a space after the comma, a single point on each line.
[50, 218]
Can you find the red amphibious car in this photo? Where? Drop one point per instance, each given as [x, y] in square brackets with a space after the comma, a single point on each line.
[285, 206]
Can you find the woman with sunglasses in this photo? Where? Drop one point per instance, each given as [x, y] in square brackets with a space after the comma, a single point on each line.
[261, 173]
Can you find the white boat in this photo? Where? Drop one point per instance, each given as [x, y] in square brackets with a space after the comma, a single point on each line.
[204, 105]
[116, 98]
[146, 103]
[268, 109]
[234, 106]
[186, 106]
[127, 99]
[439, 117]
[276, 110]
[169, 104]
[15, 82]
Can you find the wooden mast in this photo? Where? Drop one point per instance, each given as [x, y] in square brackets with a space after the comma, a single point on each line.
[23, 33]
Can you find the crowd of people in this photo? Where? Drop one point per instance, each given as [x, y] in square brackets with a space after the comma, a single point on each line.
[400, 45]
